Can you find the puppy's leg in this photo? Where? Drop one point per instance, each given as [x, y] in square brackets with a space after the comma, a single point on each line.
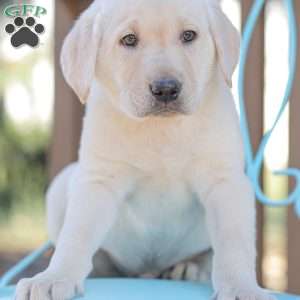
[196, 269]
[230, 211]
[57, 202]
[92, 209]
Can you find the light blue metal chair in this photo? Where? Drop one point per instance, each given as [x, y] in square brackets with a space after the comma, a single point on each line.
[129, 289]
[125, 289]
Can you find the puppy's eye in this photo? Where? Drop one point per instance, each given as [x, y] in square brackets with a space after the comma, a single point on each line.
[129, 40]
[188, 36]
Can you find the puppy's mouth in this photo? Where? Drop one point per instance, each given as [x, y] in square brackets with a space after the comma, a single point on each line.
[166, 111]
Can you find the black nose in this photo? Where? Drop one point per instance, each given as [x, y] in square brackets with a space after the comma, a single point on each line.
[166, 90]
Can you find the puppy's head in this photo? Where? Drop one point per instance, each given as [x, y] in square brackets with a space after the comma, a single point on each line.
[153, 57]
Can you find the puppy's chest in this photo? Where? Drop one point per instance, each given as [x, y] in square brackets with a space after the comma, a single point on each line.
[154, 199]
[171, 151]
[156, 225]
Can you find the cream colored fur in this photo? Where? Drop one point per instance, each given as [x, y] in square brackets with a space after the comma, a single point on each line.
[153, 189]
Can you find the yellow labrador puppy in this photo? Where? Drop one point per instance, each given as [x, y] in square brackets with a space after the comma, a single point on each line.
[160, 178]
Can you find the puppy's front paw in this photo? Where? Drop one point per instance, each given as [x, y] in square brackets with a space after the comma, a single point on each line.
[243, 294]
[48, 287]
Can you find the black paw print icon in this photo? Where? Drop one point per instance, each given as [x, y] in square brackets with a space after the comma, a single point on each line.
[25, 32]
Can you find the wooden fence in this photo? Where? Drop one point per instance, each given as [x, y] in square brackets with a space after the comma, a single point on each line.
[293, 223]
[68, 116]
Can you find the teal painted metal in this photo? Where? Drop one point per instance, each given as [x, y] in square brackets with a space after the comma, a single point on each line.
[254, 162]
[137, 289]
[23, 265]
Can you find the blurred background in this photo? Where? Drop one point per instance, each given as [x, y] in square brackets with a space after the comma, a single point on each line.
[40, 122]
[26, 114]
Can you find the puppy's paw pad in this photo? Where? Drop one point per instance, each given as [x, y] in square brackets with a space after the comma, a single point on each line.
[43, 287]
[235, 294]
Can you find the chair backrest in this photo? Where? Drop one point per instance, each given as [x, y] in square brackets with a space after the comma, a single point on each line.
[254, 162]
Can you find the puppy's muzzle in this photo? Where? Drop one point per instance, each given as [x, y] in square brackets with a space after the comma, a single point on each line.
[166, 90]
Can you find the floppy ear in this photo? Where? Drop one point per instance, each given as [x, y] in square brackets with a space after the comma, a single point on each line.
[227, 41]
[79, 54]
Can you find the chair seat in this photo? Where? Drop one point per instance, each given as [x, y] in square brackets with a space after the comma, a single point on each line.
[131, 289]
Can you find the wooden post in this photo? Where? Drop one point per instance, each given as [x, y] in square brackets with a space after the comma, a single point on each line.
[76, 6]
[254, 95]
[68, 111]
[293, 221]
